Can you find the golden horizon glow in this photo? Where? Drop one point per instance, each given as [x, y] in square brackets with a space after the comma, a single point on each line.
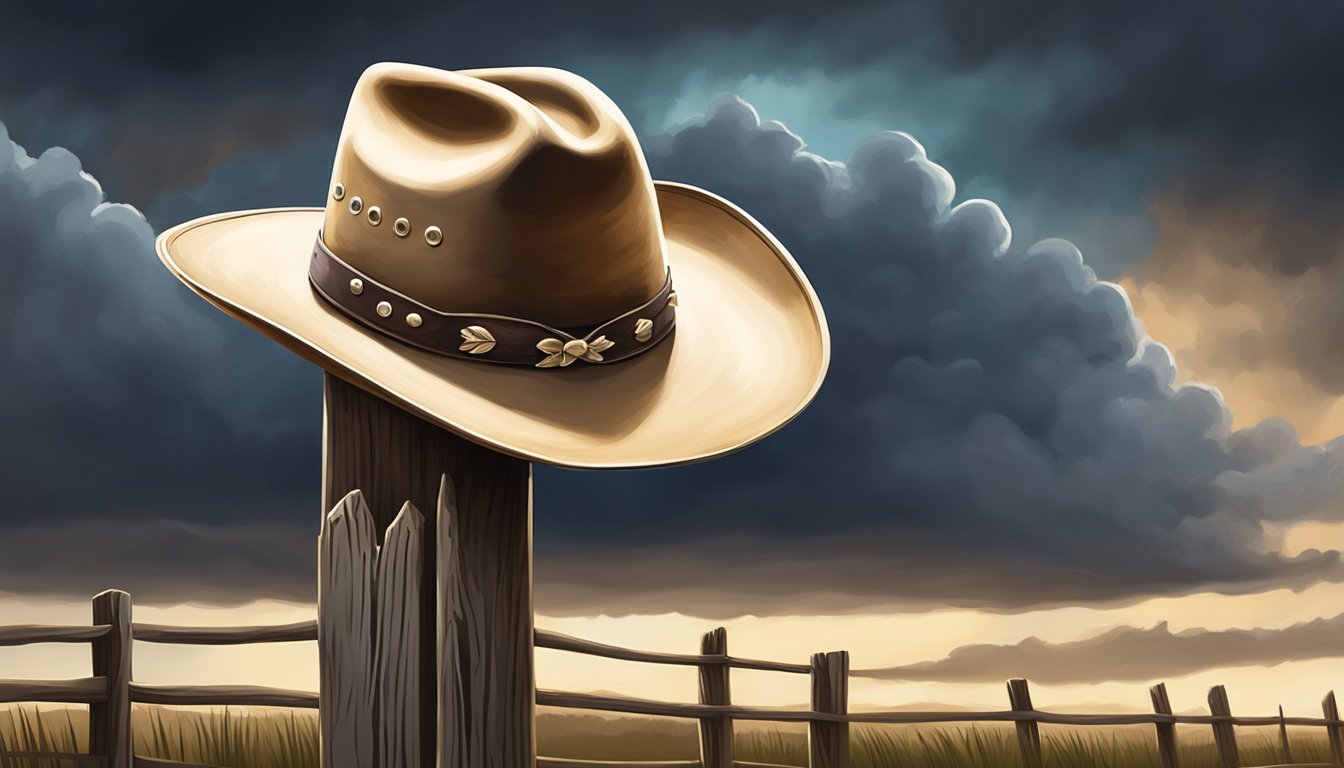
[873, 641]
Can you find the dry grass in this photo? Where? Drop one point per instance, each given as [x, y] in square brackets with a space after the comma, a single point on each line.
[266, 738]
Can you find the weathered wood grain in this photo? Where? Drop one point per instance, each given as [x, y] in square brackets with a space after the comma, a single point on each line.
[561, 642]
[223, 695]
[486, 686]
[1224, 733]
[347, 559]
[1333, 729]
[84, 690]
[828, 742]
[1028, 733]
[716, 732]
[636, 706]
[110, 719]
[1168, 754]
[398, 647]
[394, 457]
[1285, 747]
[277, 633]
[27, 634]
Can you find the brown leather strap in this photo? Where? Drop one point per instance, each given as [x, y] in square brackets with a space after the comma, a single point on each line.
[492, 338]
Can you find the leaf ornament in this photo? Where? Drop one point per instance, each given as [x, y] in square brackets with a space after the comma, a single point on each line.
[561, 353]
[643, 330]
[476, 340]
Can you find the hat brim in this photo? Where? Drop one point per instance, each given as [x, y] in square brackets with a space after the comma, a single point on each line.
[749, 351]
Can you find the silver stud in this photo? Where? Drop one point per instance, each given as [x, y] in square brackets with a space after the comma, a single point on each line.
[338, 191]
[356, 205]
[402, 227]
[433, 236]
[384, 309]
[413, 320]
[643, 330]
[672, 299]
[375, 215]
[356, 286]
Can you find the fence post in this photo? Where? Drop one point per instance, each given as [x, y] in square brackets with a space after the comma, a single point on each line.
[1334, 730]
[1167, 753]
[110, 721]
[1028, 733]
[347, 556]
[1284, 746]
[716, 732]
[398, 640]
[829, 742]
[1224, 733]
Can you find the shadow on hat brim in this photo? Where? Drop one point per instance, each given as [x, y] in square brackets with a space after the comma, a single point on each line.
[749, 351]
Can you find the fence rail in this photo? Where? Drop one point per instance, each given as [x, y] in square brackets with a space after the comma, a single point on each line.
[560, 642]
[110, 691]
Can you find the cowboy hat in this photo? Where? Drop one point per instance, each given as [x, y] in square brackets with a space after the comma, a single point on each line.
[495, 257]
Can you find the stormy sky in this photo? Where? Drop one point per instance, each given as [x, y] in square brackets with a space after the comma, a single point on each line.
[1000, 430]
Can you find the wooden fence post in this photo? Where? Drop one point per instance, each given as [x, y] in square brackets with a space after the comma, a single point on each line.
[1028, 733]
[347, 557]
[110, 720]
[716, 732]
[398, 640]
[484, 695]
[829, 742]
[1284, 746]
[1224, 733]
[1167, 753]
[1335, 731]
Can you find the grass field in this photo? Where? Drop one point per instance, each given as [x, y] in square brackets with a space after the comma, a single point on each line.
[261, 738]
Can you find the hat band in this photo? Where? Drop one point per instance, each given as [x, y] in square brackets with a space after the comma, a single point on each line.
[491, 338]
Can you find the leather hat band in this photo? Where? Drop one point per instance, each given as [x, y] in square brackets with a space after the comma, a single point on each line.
[492, 338]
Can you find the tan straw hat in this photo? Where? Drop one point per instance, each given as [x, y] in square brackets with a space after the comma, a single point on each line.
[495, 257]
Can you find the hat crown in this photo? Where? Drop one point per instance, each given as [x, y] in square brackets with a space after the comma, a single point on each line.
[519, 192]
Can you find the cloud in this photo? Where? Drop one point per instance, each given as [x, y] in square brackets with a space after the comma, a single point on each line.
[161, 561]
[125, 396]
[1126, 653]
[995, 430]
[1213, 287]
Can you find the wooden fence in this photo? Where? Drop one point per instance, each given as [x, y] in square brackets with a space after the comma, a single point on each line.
[368, 631]
[110, 691]
[828, 719]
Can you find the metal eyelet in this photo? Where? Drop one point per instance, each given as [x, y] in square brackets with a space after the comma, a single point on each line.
[338, 191]
[375, 215]
[433, 236]
[384, 309]
[402, 227]
[356, 205]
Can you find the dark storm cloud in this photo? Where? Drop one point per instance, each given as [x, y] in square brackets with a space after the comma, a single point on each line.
[123, 393]
[160, 561]
[1032, 101]
[1127, 653]
[156, 94]
[994, 430]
